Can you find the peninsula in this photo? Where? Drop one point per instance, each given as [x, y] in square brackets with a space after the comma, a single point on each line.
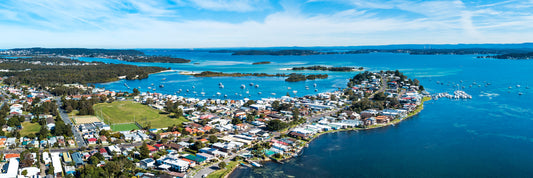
[129, 55]
[176, 130]
[50, 71]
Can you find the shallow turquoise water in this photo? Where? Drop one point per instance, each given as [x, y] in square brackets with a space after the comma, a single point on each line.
[489, 135]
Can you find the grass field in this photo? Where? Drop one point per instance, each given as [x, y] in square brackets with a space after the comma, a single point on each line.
[224, 172]
[28, 127]
[124, 127]
[125, 111]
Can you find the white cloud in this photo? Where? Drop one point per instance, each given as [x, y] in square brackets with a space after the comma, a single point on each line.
[138, 24]
[230, 5]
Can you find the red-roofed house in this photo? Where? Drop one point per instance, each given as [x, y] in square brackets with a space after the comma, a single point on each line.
[151, 148]
[102, 151]
[206, 128]
[159, 146]
[92, 140]
[13, 155]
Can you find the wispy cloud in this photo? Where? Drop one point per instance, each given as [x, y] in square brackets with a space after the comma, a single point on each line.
[230, 5]
[211, 23]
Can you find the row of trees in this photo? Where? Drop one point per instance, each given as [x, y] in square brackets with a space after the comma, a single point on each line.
[84, 105]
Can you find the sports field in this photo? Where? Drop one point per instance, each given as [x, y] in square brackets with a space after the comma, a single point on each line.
[124, 127]
[78, 120]
[130, 112]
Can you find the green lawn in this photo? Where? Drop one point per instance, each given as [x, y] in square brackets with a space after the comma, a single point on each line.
[28, 127]
[126, 111]
[223, 172]
[124, 127]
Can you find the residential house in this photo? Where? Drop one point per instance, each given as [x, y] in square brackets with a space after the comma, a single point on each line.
[147, 163]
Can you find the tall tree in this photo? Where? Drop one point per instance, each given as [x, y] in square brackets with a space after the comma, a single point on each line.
[145, 153]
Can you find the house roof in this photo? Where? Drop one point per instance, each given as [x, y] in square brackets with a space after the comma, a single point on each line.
[12, 155]
[151, 148]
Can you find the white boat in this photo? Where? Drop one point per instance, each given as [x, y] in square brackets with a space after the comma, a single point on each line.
[520, 93]
[256, 86]
[259, 93]
[255, 164]
[288, 88]
[273, 94]
[218, 93]
[243, 86]
[251, 84]
[314, 85]
[517, 86]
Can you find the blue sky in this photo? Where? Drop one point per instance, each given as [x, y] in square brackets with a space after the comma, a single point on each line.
[260, 23]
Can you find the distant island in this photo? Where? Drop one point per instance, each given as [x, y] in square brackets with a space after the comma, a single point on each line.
[129, 55]
[511, 56]
[324, 68]
[263, 62]
[500, 53]
[293, 77]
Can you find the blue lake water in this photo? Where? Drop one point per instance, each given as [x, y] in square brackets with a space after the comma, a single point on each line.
[489, 135]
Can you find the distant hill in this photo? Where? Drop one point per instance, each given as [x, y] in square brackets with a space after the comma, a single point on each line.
[130, 55]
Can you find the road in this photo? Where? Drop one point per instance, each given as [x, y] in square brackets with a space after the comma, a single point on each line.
[77, 136]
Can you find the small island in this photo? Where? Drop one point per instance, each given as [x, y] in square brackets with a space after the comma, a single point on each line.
[293, 77]
[300, 77]
[259, 63]
[516, 56]
[155, 59]
[334, 69]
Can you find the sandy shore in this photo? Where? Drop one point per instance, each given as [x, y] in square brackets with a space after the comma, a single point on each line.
[188, 73]
[166, 71]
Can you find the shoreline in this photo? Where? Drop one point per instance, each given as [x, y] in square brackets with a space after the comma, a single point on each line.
[291, 69]
[188, 73]
[169, 70]
[393, 122]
